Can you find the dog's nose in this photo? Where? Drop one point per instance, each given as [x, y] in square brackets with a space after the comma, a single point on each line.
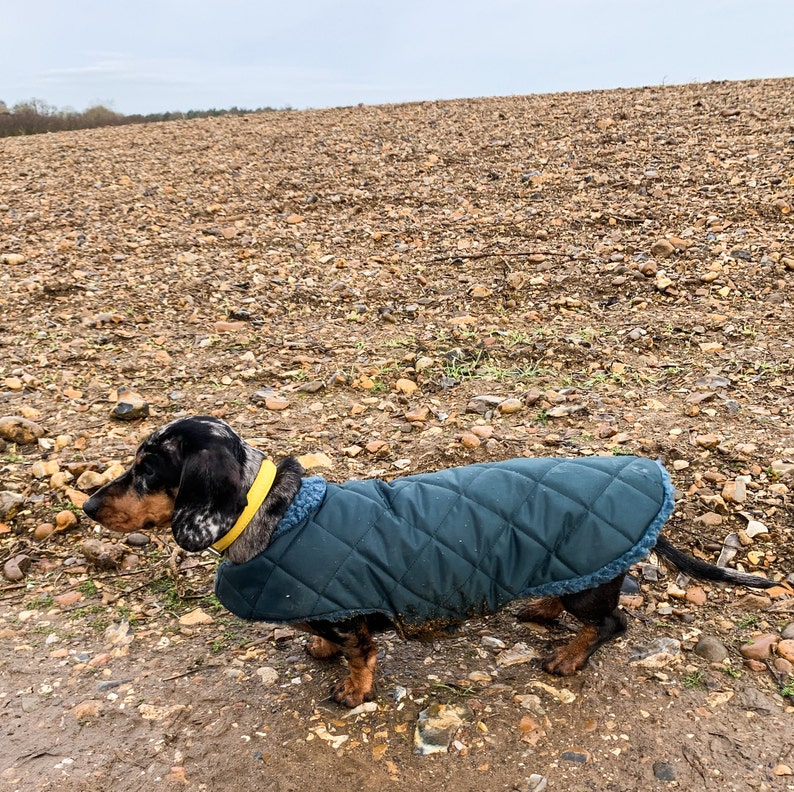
[91, 507]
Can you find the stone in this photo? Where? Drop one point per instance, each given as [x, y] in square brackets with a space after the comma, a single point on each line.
[130, 406]
[275, 403]
[90, 480]
[662, 248]
[509, 406]
[405, 386]
[13, 259]
[785, 649]
[316, 460]
[659, 654]
[469, 440]
[19, 430]
[761, 647]
[437, 726]
[10, 504]
[102, 554]
[519, 653]
[711, 649]
[65, 519]
[267, 675]
[664, 771]
[195, 618]
[43, 530]
[14, 569]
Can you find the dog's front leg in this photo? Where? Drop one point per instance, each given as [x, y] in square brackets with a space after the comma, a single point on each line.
[352, 639]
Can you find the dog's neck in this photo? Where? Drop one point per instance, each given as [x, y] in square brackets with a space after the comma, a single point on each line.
[256, 536]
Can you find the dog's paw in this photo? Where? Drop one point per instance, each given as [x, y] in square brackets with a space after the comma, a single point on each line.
[321, 648]
[348, 695]
[563, 662]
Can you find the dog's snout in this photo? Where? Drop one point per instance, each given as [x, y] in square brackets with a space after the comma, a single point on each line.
[91, 507]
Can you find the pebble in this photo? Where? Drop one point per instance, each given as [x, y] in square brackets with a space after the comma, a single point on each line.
[19, 430]
[195, 617]
[436, 727]
[316, 460]
[43, 530]
[65, 519]
[785, 649]
[662, 248]
[14, 569]
[406, 386]
[663, 771]
[510, 406]
[10, 504]
[659, 654]
[761, 647]
[137, 540]
[129, 405]
[469, 440]
[517, 654]
[711, 649]
[267, 675]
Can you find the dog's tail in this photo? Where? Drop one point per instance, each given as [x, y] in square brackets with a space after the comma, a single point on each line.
[705, 571]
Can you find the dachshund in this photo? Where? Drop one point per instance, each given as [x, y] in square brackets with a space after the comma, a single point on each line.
[194, 475]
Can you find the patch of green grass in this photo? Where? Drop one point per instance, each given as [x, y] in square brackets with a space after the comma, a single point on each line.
[694, 680]
[41, 601]
[749, 620]
[788, 688]
[88, 587]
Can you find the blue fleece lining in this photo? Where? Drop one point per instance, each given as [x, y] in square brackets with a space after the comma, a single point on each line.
[306, 501]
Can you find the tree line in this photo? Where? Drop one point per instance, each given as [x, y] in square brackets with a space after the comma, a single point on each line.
[35, 117]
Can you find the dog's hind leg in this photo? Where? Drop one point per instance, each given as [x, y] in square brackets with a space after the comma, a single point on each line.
[598, 609]
[352, 639]
[541, 611]
[321, 648]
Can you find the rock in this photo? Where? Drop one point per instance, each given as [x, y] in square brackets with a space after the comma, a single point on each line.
[43, 530]
[13, 259]
[695, 595]
[316, 460]
[85, 710]
[483, 404]
[437, 726]
[785, 649]
[275, 403]
[659, 654]
[91, 480]
[19, 430]
[10, 504]
[195, 617]
[14, 569]
[730, 547]
[417, 414]
[405, 386]
[130, 406]
[761, 647]
[470, 440]
[535, 783]
[267, 675]
[576, 755]
[509, 406]
[137, 540]
[102, 554]
[517, 654]
[663, 771]
[662, 248]
[65, 519]
[711, 649]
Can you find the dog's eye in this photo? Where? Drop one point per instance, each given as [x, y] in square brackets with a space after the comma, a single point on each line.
[145, 469]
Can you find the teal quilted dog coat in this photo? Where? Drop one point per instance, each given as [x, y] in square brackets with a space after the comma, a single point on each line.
[444, 547]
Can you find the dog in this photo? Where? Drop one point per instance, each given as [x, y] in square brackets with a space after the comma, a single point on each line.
[422, 574]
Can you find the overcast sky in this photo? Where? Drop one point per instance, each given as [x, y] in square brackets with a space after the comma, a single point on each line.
[156, 55]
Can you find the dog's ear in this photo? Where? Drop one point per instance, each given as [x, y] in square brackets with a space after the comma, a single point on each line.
[209, 500]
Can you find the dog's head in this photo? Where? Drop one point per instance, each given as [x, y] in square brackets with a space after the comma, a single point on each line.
[188, 474]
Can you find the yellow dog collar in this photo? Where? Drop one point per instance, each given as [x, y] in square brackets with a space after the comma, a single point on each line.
[255, 497]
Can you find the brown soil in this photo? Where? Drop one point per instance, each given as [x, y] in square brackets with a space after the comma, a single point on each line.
[618, 264]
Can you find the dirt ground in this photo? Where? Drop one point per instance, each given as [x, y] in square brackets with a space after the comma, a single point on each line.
[612, 269]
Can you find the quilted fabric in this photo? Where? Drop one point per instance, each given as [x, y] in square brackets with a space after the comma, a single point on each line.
[446, 546]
